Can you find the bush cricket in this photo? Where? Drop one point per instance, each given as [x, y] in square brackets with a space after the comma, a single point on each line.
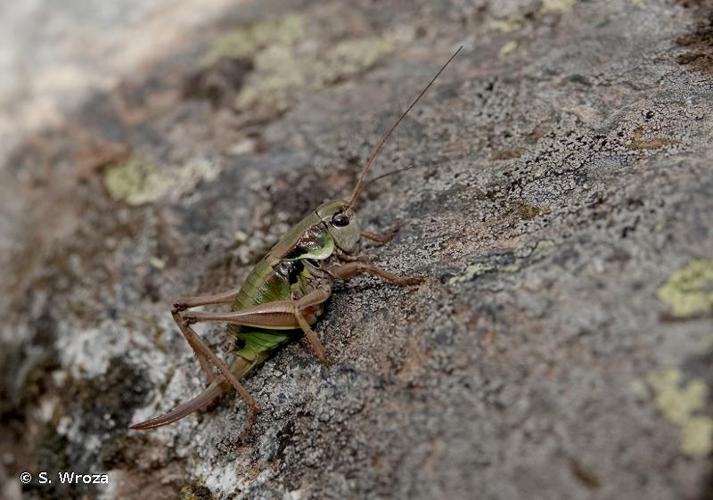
[285, 292]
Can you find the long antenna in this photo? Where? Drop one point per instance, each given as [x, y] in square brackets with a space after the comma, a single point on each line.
[369, 182]
[370, 161]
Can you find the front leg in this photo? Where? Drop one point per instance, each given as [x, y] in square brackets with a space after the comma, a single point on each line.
[348, 270]
[380, 239]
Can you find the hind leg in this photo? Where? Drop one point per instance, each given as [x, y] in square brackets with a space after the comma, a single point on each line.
[183, 303]
[277, 315]
[203, 351]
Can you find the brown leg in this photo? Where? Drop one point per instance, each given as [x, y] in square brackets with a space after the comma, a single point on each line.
[345, 257]
[202, 348]
[205, 364]
[183, 303]
[348, 270]
[313, 298]
[280, 314]
[187, 302]
[313, 339]
[379, 238]
[205, 399]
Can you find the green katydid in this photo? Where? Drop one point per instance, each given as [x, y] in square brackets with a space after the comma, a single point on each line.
[284, 292]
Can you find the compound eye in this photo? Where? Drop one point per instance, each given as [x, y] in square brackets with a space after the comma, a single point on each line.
[340, 220]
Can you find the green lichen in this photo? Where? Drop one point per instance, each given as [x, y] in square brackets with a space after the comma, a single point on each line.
[135, 182]
[247, 41]
[541, 249]
[675, 402]
[507, 25]
[507, 48]
[277, 67]
[157, 263]
[282, 63]
[697, 436]
[279, 71]
[350, 57]
[688, 291]
[557, 5]
[472, 271]
[678, 403]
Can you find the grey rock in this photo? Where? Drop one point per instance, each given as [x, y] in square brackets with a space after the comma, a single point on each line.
[561, 208]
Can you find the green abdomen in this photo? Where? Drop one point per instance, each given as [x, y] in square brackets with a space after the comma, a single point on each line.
[262, 285]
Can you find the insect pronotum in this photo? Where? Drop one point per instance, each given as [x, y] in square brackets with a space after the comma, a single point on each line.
[284, 292]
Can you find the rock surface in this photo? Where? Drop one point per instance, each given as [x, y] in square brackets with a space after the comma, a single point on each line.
[561, 207]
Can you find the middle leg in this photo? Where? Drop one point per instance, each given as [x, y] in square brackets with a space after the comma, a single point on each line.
[380, 239]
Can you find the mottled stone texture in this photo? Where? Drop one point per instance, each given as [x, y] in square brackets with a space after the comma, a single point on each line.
[562, 207]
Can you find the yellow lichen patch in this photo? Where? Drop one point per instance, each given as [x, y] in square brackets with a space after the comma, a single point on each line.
[557, 5]
[277, 67]
[507, 25]
[350, 57]
[675, 402]
[541, 249]
[135, 181]
[471, 272]
[279, 70]
[697, 436]
[247, 41]
[507, 48]
[157, 262]
[284, 60]
[688, 291]
[678, 403]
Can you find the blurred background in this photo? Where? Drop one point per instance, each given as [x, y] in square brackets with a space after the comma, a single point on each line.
[561, 208]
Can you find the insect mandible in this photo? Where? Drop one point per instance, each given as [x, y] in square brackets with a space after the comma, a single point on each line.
[284, 292]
